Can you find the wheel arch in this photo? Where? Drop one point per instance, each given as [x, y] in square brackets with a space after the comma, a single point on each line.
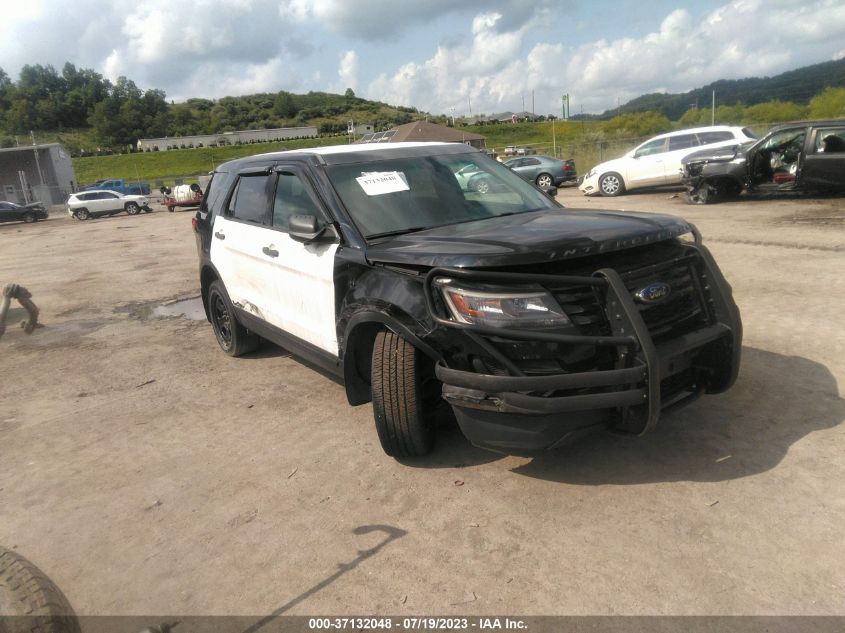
[208, 275]
[357, 350]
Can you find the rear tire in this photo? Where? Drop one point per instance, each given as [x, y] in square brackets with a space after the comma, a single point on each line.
[233, 338]
[403, 396]
[171, 209]
[25, 591]
[544, 181]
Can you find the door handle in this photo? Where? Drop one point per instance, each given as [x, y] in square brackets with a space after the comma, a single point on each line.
[219, 235]
[271, 252]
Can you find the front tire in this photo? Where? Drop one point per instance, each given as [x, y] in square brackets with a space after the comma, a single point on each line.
[403, 397]
[31, 598]
[544, 181]
[28, 217]
[132, 208]
[482, 186]
[234, 339]
[611, 184]
[703, 194]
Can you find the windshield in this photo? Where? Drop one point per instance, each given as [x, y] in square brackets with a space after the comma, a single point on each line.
[400, 195]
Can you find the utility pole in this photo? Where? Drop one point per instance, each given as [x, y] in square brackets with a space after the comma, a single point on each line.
[554, 140]
[523, 103]
[532, 103]
[713, 112]
[37, 162]
[469, 103]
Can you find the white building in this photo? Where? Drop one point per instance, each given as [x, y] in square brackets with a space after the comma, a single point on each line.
[225, 138]
[36, 172]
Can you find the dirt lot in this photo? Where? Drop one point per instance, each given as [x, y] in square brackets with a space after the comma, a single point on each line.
[148, 473]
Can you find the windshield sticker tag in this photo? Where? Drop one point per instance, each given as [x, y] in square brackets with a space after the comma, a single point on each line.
[376, 183]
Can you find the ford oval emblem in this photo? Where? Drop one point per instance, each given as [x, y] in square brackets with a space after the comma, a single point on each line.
[653, 293]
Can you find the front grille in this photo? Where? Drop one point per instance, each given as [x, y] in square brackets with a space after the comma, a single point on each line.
[683, 310]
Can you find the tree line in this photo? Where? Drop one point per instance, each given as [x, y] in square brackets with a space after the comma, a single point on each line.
[118, 114]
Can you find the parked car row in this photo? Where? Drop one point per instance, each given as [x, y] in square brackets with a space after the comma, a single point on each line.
[658, 161]
[800, 156]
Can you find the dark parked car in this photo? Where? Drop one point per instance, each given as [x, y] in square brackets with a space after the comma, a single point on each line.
[803, 156]
[546, 171]
[12, 212]
[536, 324]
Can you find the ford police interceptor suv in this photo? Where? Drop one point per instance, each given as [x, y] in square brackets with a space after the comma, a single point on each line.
[535, 323]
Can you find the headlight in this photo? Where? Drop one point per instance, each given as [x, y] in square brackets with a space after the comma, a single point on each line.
[590, 174]
[494, 307]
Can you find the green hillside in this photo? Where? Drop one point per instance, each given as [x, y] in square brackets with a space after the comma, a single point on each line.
[797, 86]
[165, 166]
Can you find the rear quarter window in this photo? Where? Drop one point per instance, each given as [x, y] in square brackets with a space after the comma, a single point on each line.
[215, 192]
[707, 138]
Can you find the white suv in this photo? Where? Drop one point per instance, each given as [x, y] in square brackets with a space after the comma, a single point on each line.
[91, 204]
[658, 161]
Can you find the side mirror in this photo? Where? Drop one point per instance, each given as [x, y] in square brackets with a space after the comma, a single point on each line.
[306, 228]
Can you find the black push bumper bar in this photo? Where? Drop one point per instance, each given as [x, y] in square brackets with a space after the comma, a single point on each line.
[505, 413]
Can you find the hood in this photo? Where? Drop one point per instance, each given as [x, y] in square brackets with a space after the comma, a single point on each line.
[527, 238]
[717, 154]
[34, 205]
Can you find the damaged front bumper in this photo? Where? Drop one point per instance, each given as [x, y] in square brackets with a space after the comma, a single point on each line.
[516, 412]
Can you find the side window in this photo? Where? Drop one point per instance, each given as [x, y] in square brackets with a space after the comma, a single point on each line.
[249, 200]
[830, 141]
[714, 137]
[652, 147]
[291, 199]
[683, 141]
[530, 161]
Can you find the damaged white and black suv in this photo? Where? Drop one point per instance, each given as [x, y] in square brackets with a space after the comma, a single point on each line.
[535, 323]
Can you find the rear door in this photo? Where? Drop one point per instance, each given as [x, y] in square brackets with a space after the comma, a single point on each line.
[679, 146]
[528, 168]
[824, 159]
[240, 238]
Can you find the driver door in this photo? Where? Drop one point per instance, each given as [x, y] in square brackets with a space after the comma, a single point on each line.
[646, 165]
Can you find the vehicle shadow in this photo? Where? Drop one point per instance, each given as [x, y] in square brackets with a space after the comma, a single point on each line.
[776, 401]
[451, 449]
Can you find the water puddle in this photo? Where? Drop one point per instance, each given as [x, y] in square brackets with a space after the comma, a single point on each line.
[190, 308]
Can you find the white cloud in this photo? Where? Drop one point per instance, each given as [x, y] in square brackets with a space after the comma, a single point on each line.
[386, 19]
[740, 39]
[348, 71]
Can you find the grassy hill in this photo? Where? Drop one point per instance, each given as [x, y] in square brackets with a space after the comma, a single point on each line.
[165, 166]
[797, 86]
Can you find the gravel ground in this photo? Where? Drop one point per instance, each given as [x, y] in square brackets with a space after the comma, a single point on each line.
[146, 472]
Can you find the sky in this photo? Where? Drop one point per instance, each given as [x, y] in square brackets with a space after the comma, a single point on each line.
[454, 57]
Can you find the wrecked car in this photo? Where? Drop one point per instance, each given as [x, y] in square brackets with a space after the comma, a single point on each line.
[803, 156]
[536, 324]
